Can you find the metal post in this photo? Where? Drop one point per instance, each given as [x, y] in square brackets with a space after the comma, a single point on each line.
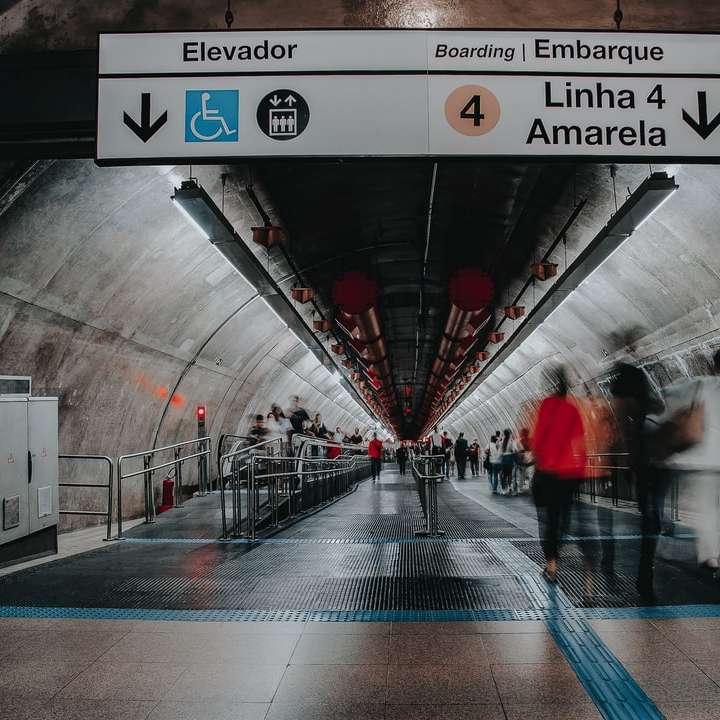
[110, 499]
[223, 510]
[178, 479]
[203, 488]
[119, 500]
[251, 499]
[147, 482]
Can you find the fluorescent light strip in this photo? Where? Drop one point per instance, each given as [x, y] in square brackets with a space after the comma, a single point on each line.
[190, 219]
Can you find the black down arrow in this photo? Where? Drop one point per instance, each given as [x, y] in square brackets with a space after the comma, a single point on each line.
[145, 130]
[701, 126]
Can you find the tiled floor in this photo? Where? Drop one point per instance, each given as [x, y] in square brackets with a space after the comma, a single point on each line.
[501, 670]
[73, 669]
[446, 671]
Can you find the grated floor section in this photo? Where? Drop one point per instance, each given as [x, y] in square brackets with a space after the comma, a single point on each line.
[357, 555]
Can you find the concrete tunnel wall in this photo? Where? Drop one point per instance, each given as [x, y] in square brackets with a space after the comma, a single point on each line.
[113, 302]
[67, 24]
[665, 278]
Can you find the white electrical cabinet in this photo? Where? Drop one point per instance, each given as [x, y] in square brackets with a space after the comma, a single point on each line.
[29, 494]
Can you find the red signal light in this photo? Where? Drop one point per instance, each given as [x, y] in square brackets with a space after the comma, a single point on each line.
[200, 412]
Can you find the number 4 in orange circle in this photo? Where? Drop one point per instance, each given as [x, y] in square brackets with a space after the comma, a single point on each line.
[472, 110]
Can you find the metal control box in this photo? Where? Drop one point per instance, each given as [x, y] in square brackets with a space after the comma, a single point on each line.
[29, 495]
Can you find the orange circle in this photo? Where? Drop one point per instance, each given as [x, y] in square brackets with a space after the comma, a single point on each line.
[472, 110]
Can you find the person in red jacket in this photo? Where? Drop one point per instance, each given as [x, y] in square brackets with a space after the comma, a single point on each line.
[375, 450]
[558, 443]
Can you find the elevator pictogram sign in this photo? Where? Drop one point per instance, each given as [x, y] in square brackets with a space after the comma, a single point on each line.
[283, 114]
[472, 110]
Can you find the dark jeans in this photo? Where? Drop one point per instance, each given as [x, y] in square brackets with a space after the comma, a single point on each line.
[461, 463]
[506, 471]
[402, 463]
[375, 467]
[653, 484]
[474, 466]
[554, 511]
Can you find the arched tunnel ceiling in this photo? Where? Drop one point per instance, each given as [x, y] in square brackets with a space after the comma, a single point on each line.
[665, 280]
[372, 216]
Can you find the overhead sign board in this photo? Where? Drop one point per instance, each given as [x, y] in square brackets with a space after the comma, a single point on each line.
[165, 97]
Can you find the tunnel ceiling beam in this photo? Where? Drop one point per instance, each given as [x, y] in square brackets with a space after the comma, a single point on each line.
[649, 196]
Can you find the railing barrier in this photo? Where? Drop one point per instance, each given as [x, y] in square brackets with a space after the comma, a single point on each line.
[107, 486]
[148, 471]
[305, 481]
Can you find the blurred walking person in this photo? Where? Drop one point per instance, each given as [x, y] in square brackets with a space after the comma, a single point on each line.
[694, 438]
[633, 399]
[558, 442]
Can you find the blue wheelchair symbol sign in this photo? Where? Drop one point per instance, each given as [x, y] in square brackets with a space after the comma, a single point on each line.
[211, 115]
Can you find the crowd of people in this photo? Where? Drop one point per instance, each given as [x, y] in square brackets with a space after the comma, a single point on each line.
[507, 460]
[297, 421]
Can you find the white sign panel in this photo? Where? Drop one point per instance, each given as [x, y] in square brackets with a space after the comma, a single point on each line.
[165, 97]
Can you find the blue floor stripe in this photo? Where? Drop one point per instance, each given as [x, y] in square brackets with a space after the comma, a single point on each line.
[542, 614]
[614, 691]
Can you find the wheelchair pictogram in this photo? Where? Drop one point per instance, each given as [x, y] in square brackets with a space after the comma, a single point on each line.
[211, 115]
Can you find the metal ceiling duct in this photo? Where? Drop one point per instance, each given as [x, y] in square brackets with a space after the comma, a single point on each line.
[471, 293]
[356, 296]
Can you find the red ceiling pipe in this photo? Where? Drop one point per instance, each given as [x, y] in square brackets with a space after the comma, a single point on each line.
[356, 295]
[471, 292]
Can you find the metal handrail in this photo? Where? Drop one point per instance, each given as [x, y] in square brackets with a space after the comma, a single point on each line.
[153, 451]
[221, 442]
[288, 470]
[235, 470]
[108, 486]
[611, 475]
[149, 469]
[307, 441]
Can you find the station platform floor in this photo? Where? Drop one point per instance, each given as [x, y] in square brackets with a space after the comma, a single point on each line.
[347, 614]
